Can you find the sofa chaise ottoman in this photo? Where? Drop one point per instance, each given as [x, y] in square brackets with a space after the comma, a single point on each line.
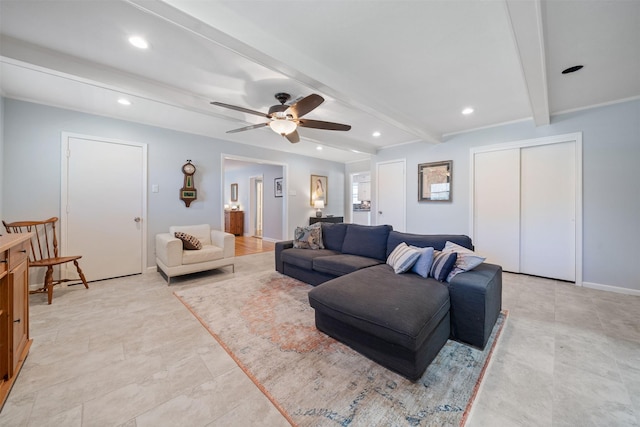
[402, 330]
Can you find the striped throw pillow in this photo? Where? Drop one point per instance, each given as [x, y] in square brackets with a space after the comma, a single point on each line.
[443, 263]
[402, 258]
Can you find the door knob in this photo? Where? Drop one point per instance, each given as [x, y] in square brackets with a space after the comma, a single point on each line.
[137, 219]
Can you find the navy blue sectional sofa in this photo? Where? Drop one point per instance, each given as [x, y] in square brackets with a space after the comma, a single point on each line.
[400, 321]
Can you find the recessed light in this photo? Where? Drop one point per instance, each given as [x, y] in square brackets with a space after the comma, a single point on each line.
[124, 101]
[138, 42]
[319, 148]
[467, 111]
[572, 69]
[376, 134]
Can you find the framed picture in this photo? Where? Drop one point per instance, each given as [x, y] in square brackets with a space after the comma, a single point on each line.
[234, 192]
[434, 181]
[318, 189]
[277, 187]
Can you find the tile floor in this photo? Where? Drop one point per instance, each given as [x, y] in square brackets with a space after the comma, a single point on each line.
[126, 352]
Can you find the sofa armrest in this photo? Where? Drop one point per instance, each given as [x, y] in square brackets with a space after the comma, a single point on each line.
[476, 301]
[226, 241]
[280, 246]
[169, 249]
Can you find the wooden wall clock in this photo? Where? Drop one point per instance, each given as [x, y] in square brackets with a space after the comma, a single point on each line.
[188, 192]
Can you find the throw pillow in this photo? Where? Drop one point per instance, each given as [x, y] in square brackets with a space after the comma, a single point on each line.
[466, 260]
[443, 263]
[424, 261]
[402, 258]
[309, 237]
[189, 242]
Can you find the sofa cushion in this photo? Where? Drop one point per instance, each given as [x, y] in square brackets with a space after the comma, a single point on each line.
[201, 232]
[339, 265]
[400, 309]
[436, 241]
[189, 242]
[303, 258]
[443, 263]
[422, 266]
[207, 253]
[309, 237]
[333, 235]
[402, 258]
[367, 241]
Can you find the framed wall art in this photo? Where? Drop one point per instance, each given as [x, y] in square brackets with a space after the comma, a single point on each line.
[318, 189]
[277, 187]
[234, 192]
[434, 181]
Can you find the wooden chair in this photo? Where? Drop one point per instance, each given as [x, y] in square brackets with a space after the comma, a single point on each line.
[44, 251]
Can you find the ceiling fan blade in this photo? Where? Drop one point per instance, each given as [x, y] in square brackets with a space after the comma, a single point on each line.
[306, 105]
[318, 124]
[293, 137]
[244, 110]
[248, 128]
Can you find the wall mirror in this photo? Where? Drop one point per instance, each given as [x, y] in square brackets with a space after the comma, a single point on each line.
[234, 192]
[434, 181]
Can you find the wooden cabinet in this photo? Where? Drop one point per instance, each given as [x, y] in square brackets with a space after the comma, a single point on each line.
[14, 308]
[234, 222]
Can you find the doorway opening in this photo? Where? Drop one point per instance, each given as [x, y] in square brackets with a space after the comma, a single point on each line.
[257, 206]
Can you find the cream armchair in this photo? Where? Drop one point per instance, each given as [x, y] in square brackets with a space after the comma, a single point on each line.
[218, 250]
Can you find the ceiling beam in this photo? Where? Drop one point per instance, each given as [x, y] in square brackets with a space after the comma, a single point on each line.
[226, 28]
[525, 17]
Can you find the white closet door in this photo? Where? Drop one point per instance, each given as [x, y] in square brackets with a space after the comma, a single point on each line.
[548, 211]
[497, 207]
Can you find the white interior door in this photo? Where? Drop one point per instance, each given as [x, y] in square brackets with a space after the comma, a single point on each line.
[391, 194]
[548, 217]
[105, 202]
[497, 207]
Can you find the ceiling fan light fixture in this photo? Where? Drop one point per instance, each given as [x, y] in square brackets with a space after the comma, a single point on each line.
[282, 126]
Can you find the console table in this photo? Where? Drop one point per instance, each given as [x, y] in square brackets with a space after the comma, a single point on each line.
[332, 219]
[14, 308]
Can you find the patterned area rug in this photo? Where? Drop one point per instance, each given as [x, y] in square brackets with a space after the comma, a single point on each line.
[265, 323]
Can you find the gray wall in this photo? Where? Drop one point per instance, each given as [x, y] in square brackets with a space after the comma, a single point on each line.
[32, 141]
[272, 206]
[611, 197]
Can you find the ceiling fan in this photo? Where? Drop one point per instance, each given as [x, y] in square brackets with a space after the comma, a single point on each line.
[285, 119]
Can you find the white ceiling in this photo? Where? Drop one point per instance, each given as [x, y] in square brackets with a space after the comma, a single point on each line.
[403, 68]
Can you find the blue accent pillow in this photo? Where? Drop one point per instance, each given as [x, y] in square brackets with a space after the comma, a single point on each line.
[367, 240]
[422, 267]
[443, 263]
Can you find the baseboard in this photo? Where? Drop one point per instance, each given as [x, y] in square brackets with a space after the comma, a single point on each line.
[269, 239]
[152, 269]
[610, 288]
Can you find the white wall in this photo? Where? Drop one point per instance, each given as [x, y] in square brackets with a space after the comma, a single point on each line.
[31, 169]
[611, 198]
